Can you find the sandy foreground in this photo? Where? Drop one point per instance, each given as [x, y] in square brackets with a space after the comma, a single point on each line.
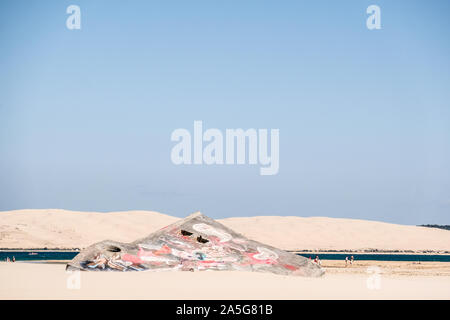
[393, 280]
[55, 228]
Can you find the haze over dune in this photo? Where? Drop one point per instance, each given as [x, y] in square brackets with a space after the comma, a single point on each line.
[55, 228]
[321, 233]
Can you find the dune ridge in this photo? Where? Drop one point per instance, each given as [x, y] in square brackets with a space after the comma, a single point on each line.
[57, 228]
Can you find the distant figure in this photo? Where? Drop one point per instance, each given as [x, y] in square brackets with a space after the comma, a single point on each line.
[317, 260]
[346, 261]
[14, 259]
[352, 259]
[7, 259]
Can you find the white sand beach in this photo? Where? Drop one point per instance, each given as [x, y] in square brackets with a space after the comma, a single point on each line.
[50, 281]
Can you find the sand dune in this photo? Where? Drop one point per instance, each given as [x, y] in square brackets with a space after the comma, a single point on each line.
[54, 228]
[319, 233]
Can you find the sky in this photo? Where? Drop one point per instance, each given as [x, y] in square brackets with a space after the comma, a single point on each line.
[86, 115]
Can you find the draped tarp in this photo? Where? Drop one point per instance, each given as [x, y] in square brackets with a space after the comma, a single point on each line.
[195, 243]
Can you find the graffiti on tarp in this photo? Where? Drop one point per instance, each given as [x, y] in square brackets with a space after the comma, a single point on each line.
[211, 231]
[115, 262]
[196, 243]
[214, 254]
[265, 254]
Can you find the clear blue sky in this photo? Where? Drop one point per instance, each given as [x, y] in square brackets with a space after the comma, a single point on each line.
[364, 116]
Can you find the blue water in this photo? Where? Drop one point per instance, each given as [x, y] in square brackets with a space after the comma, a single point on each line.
[57, 255]
[380, 257]
[40, 255]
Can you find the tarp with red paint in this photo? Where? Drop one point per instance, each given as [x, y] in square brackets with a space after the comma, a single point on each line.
[196, 243]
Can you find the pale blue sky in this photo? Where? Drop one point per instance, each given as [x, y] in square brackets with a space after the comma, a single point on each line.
[364, 116]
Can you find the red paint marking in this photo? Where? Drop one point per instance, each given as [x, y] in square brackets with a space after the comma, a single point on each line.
[207, 261]
[164, 250]
[131, 258]
[257, 261]
[288, 266]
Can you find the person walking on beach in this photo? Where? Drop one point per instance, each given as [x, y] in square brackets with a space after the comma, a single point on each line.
[346, 261]
[352, 259]
[318, 261]
[14, 259]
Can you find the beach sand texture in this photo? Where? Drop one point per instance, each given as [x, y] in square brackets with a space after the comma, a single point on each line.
[50, 281]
